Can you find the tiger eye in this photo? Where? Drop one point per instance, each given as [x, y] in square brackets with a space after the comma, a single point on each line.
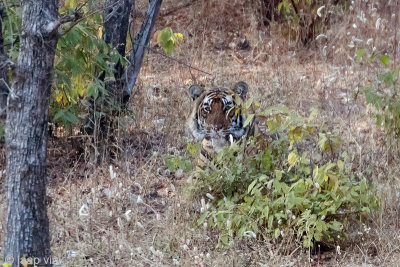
[206, 108]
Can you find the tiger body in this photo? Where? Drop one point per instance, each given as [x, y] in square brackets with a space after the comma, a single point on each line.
[216, 120]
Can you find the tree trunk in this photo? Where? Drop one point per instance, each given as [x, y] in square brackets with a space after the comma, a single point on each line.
[115, 29]
[116, 22]
[27, 225]
[3, 72]
[269, 11]
[139, 47]
[119, 88]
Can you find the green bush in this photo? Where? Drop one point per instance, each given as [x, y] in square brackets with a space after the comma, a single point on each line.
[383, 94]
[82, 56]
[276, 191]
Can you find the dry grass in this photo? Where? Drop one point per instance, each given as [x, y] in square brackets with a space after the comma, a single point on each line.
[96, 220]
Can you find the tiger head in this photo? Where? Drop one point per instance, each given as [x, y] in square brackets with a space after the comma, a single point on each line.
[215, 119]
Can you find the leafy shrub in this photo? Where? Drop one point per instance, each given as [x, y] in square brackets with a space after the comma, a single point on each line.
[276, 191]
[76, 73]
[11, 22]
[81, 56]
[383, 94]
[167, 39]
[302, 18]
[307, 18]
[175, 163]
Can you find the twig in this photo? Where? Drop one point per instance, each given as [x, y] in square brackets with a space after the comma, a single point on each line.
[193, 77]
[6, 85]
[80, 18]
[73, 23]
[150, 207]
[177, 60]
[174, 9]
[74, 17]
[81, 6]
[139, 46]
[12, 5]
[7, 62]
[295, 8]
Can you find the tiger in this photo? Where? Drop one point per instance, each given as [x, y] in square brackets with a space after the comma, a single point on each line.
[216, 119]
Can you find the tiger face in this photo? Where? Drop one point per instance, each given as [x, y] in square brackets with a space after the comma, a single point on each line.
[214, 119]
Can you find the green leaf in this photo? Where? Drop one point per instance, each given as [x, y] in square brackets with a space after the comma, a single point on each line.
[224, 240]
[340, 165]
[202, 218]
[270, 221]
[370, 97]
[72, 3]
[66, 116]
[167, 39]
[168, 47]
[292, 158]
[366, 209]
[313, 113]
[248, 103]
[165, 35]
[360, 54]
[277, 233]
[387, 78]
[251, 186]
[384, 59]
[70, 117]
[278, 174]
[280, 5]
[59, 114]
[335, 225]
[93, 91]
[248, 120]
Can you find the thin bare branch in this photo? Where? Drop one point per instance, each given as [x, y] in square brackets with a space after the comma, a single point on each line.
[139, 45]
[80, 18]
[177, 60]
[175, 9]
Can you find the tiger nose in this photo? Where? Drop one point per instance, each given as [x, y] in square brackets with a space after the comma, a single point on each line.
[219, 126]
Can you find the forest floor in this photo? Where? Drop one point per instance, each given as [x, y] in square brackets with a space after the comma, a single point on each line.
[97, 220]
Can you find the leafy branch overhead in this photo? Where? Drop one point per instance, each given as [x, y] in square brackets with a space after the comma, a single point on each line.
[84, 50]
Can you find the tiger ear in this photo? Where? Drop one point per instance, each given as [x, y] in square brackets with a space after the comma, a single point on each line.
[195, 91]
[241, 88]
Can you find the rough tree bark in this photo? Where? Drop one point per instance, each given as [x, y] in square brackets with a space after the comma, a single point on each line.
[3, 72]
[115, 28]
[139, 47]
[119, 88]
[27, 225]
